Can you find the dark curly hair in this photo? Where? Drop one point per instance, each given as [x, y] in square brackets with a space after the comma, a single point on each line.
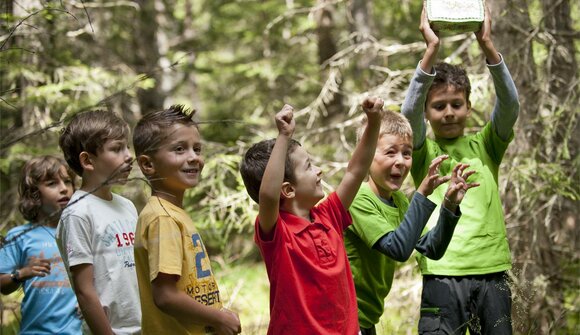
[34, 172]
[448, 74]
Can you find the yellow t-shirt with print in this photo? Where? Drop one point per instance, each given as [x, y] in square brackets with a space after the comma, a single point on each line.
[167, 241]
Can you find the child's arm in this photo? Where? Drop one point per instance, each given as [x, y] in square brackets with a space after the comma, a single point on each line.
[363, 154]
[93, 312]
[399, 243]
[414, 104]
[181, 306]
[269, 201]
[435, 242]
[506, 108]
[432, 44]
[36, 267]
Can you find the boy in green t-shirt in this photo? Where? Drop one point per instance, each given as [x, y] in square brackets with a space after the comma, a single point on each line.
[385, 227]
[468, 287]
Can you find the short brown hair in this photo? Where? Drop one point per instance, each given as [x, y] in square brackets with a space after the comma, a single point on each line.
[150, 131]
[34, 172]
[254, 164]
[392, 123]
[449, 74]
[89, 131]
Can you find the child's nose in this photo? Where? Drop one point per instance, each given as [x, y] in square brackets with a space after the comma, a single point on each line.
[62, 187]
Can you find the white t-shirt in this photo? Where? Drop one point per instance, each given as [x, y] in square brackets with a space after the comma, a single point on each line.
[100, 232]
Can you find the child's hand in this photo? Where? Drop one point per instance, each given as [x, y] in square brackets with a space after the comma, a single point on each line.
[484, 39]
[458, 186]
[484, 33]
[432, 180]
[431, 37]
[36, 267]
[431, 40]
[372, 106]
[230, 324]
[285, 120]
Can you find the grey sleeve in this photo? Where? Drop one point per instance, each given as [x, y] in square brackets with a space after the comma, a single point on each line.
[414, 105]
[507, 107]
[399, 244]
[434, 243]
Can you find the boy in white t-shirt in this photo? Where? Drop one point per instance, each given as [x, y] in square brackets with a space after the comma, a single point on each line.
[96, 231]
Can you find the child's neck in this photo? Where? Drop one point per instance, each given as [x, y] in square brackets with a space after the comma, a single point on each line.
[292, 206]
[98, 189]
[175, 199]
[47, 220]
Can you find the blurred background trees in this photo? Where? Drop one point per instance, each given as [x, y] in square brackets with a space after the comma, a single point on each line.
[237, 62]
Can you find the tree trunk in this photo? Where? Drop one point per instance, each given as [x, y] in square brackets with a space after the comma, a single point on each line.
[326, 49]
[537, 215]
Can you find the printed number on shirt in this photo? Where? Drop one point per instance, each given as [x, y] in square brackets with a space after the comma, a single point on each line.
[199, 257]
[125, 240]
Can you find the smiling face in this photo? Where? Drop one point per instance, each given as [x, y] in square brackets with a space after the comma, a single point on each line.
[447, 111]
[55, 192]
[391, 164]
[307, 179]
[177, 164]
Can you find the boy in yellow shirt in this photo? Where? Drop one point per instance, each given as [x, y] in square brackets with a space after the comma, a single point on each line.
[179, 294]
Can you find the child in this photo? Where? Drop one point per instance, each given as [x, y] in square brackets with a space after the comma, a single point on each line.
[468, 287]
[95, 234]
[385, 227]
[311, 287]
[179, 294]
[30, 256]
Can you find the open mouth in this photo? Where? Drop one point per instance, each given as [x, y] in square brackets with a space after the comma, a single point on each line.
[191, 171]
[63, 201]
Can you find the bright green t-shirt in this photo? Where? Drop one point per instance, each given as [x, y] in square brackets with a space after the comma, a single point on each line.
[479, 244]
[372, 271]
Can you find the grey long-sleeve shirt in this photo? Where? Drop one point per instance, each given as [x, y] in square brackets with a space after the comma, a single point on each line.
[399, 244]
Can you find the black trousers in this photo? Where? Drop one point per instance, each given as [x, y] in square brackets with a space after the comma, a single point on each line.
[451, 304]
[368, 331]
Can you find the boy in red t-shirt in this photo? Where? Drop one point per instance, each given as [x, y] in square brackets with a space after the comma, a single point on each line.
[311, 286]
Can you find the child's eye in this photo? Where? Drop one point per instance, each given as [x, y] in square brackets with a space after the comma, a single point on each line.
[50, 183]
[197, 150]
[179, 149]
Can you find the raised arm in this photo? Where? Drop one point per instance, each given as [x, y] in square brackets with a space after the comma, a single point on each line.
[507, 107]
[414, 104]
[362, 157]
[269, 201]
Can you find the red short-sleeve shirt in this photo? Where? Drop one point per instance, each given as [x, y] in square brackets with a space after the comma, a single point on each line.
[311, 285]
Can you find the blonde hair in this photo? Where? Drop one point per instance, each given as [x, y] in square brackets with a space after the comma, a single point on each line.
[392, 123]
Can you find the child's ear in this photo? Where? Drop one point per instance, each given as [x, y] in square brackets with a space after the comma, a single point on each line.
[468, 107]
[287, 190]
[146, 165]
[86, 161]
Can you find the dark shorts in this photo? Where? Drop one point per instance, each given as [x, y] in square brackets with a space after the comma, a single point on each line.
[368, 331]
[450, 305]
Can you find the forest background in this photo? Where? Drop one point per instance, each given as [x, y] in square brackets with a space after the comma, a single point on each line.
[237, 62]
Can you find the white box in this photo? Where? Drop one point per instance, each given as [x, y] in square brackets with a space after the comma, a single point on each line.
[456, 16]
